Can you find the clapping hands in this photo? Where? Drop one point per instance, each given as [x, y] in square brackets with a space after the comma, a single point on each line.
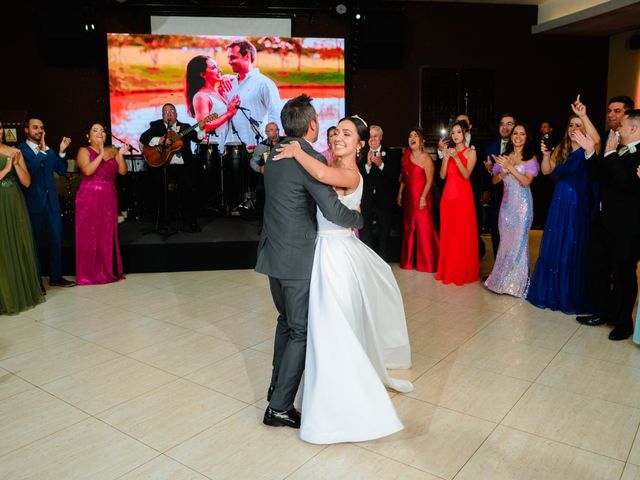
[488, 164]
[449, 152]
[584, 141]
[66, 141]
[504, 161]
[612, 142]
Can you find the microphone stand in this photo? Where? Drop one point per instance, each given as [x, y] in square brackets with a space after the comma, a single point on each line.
[248, 204]
[166, 231]
[134, 208]
[254, 124]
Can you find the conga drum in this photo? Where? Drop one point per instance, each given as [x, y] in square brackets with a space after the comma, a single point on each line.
[209, 160]
[235, 166]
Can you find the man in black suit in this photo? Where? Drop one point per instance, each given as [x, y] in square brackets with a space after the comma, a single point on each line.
[506, 123]
[380, 172]
[616, 239]
[599, 269]
[181, 169]
[286, 250]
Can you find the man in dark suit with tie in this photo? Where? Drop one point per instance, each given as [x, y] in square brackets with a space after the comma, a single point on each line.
[181, 169]
[619, 240]
[42, 197]
[505, 126]
[380, 171]
[286, 251]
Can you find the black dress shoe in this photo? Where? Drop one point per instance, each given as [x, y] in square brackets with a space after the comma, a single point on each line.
[591, 320]
[619, 334]
[270, 392]
[277, 418]
[61, 282]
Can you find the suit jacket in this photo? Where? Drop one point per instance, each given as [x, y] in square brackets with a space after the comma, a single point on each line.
[620, 191]
[289, 226]
[495, 189]
[384, 182]
[43, 187]
[157, 128]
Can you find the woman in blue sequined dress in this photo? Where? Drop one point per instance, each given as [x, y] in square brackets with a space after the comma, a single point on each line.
[558, 281]
[516, 168]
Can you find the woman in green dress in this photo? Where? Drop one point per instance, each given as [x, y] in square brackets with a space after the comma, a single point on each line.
[19, 280]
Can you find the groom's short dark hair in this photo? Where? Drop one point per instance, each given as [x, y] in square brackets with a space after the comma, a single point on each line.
[297, 114]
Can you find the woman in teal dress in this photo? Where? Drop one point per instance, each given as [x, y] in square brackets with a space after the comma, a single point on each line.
[19, 280]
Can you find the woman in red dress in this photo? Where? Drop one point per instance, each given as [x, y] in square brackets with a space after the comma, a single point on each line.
[419, 238]
[459, 262]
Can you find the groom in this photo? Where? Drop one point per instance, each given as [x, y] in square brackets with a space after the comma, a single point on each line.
[286, 250]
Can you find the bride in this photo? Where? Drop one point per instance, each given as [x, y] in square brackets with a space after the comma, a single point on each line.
[357, 327]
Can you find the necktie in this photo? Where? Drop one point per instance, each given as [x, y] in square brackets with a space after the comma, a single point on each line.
[624, 150]
[503, 146]
[37, 149]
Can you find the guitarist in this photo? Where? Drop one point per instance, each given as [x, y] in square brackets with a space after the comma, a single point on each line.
[181, 169]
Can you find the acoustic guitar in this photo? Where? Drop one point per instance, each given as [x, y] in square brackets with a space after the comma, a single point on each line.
[160, 155]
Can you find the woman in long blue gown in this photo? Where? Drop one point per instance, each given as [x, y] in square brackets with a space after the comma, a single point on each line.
[558, 281]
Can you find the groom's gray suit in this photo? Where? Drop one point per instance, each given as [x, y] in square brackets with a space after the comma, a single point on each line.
[285, 254]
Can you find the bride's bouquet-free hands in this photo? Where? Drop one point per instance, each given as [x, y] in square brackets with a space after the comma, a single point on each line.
[288, 150]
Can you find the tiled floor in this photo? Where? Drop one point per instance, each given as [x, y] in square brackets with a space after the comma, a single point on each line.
[164, 376]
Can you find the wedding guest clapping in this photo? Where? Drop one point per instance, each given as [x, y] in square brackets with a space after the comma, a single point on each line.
[19, 278]
[97, 210]
[516, 169]
[458, 261]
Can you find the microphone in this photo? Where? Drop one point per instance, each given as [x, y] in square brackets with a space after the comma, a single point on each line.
[238, 107]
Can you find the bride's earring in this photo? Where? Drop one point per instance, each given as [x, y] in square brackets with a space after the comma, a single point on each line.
[358, 151]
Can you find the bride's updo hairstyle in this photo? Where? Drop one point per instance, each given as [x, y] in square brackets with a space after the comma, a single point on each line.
[363, 133]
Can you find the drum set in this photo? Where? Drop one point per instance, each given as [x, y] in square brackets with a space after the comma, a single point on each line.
[229, 181]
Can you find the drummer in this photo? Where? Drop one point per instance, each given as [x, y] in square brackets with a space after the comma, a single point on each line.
[259, 156]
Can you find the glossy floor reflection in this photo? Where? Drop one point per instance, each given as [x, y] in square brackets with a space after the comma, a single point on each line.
[164, 376]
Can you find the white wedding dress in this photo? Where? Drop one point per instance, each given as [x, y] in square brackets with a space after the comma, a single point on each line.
[357, 329]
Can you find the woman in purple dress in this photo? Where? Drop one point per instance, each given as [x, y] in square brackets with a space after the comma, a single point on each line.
[97, 210]
[516, 168]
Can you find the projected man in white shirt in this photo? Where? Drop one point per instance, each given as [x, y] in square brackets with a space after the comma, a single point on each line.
[259, 97]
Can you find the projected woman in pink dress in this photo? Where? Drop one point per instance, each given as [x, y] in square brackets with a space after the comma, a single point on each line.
[97, 210]
[204, 86]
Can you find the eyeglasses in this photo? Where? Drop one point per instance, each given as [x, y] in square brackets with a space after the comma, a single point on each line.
[164, 112]
[507, 124]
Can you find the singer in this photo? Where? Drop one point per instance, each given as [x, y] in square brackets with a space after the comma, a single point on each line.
[181, 171]
[258, 94]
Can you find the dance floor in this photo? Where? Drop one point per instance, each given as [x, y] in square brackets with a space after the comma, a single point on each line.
[164, 376]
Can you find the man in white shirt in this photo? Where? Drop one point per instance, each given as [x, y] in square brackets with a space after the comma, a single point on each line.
[259, 97]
